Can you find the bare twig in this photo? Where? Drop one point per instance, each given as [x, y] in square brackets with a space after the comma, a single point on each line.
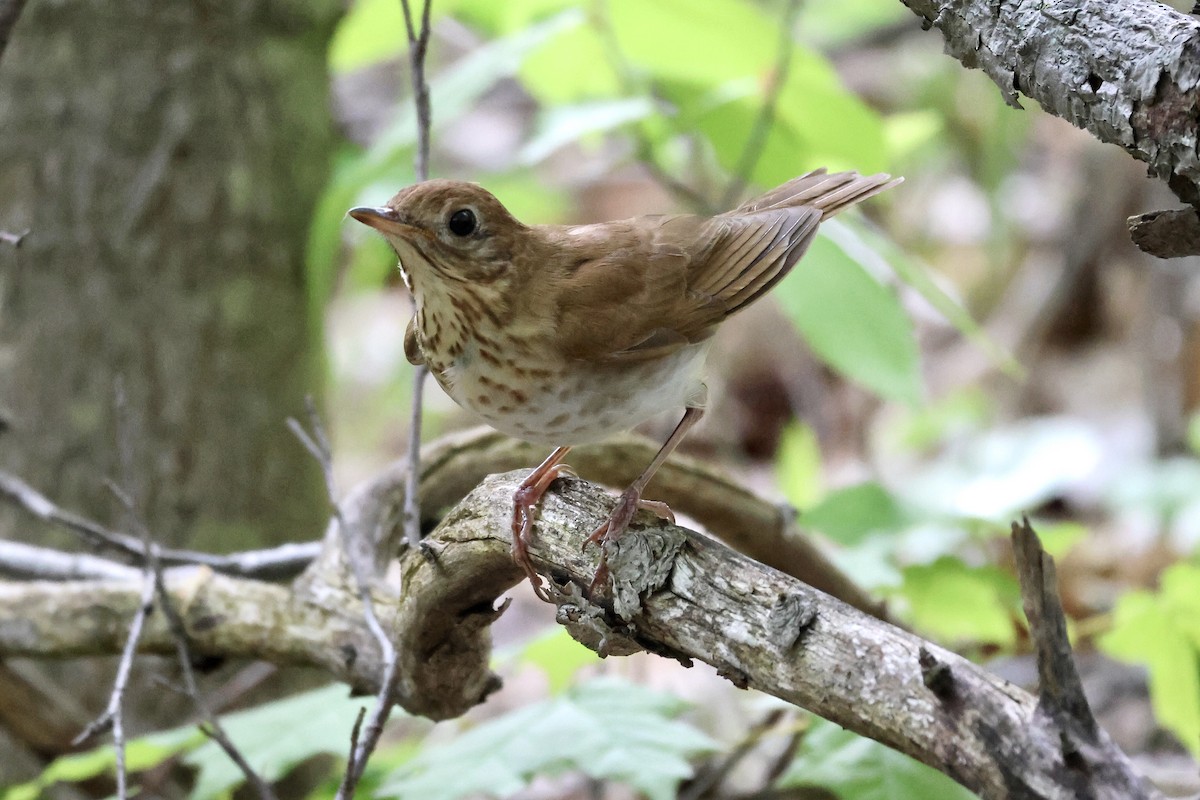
[19, 560]
[10, 11]
[111, 718]
[766, 115]
[210, 724]
[283, 561]
[418, 46]
[317, 443]
[418, 41]
[709, 779]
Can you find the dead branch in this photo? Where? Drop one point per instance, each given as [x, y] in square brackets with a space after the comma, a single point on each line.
[676, 593]
[1125, 72]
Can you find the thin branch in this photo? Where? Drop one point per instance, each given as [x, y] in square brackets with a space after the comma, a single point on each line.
[284, 561]
[317, 443]
[709, 779]
[10, 12]
[210, 724]
[19, 560]
[112, 718]
[766, 114]
[418, 47]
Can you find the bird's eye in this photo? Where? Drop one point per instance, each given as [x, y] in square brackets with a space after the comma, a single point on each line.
[462, 222]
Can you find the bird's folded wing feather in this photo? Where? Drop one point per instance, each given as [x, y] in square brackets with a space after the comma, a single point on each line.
[672, 288]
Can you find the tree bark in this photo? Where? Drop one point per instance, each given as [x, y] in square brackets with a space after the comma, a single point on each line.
[165, 159]
[1124, 71]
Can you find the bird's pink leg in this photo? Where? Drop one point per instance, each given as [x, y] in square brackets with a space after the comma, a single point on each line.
[525, 501]
[631, 499]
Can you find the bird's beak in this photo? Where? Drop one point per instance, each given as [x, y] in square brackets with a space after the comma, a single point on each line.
[382, 219]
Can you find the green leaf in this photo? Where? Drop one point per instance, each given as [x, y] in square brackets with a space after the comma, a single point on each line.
[501, 19]
[852, 322]
[850, 515]
[957, 603]
[817, 122]
[798, 465]
[371, 31]
[1162, 631]
[140, 754]
[277, 736]
[708, 42]
[839, 22]
[571, 68]
[868, 244]
[856, 768]
[608, 729]
[559, 656]
[564, 125]
[955, 415]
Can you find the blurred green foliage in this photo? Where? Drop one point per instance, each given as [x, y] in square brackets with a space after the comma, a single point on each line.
[1161, 631]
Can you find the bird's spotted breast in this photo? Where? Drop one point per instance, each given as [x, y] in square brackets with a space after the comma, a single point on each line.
[575, 402]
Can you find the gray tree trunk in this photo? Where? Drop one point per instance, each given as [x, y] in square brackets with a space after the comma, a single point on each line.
[165, 158]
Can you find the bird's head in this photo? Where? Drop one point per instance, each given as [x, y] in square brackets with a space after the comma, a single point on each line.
[448, 232]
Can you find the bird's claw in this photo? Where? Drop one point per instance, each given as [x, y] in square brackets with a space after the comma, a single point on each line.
[628, 504]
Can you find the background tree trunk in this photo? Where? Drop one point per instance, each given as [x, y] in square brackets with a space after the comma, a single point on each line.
[165, 158]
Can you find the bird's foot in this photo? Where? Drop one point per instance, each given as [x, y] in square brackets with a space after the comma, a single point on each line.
[525, 502]
[628, 504]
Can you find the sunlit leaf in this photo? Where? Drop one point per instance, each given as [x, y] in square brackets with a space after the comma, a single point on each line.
[608, 729]
[856, 768]
[571, 68]
[371, 31]
[850, 515]
[711, 42]
[798, 465]
[957, 603]
[559, 656]
[852, 322]
[868, 244]
[564, 125]
[1161, 631]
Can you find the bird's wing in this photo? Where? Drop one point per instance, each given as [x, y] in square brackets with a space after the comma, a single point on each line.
[649, 286]
[674, 286]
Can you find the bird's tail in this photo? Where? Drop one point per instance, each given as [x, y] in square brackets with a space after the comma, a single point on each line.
[829, 193]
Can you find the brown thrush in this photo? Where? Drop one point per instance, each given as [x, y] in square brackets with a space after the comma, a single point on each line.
[562, 335]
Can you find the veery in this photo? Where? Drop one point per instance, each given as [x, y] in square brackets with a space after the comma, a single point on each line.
[562, 335]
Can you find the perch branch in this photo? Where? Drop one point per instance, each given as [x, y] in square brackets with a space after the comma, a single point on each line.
[1125, 72]
[676, 593]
